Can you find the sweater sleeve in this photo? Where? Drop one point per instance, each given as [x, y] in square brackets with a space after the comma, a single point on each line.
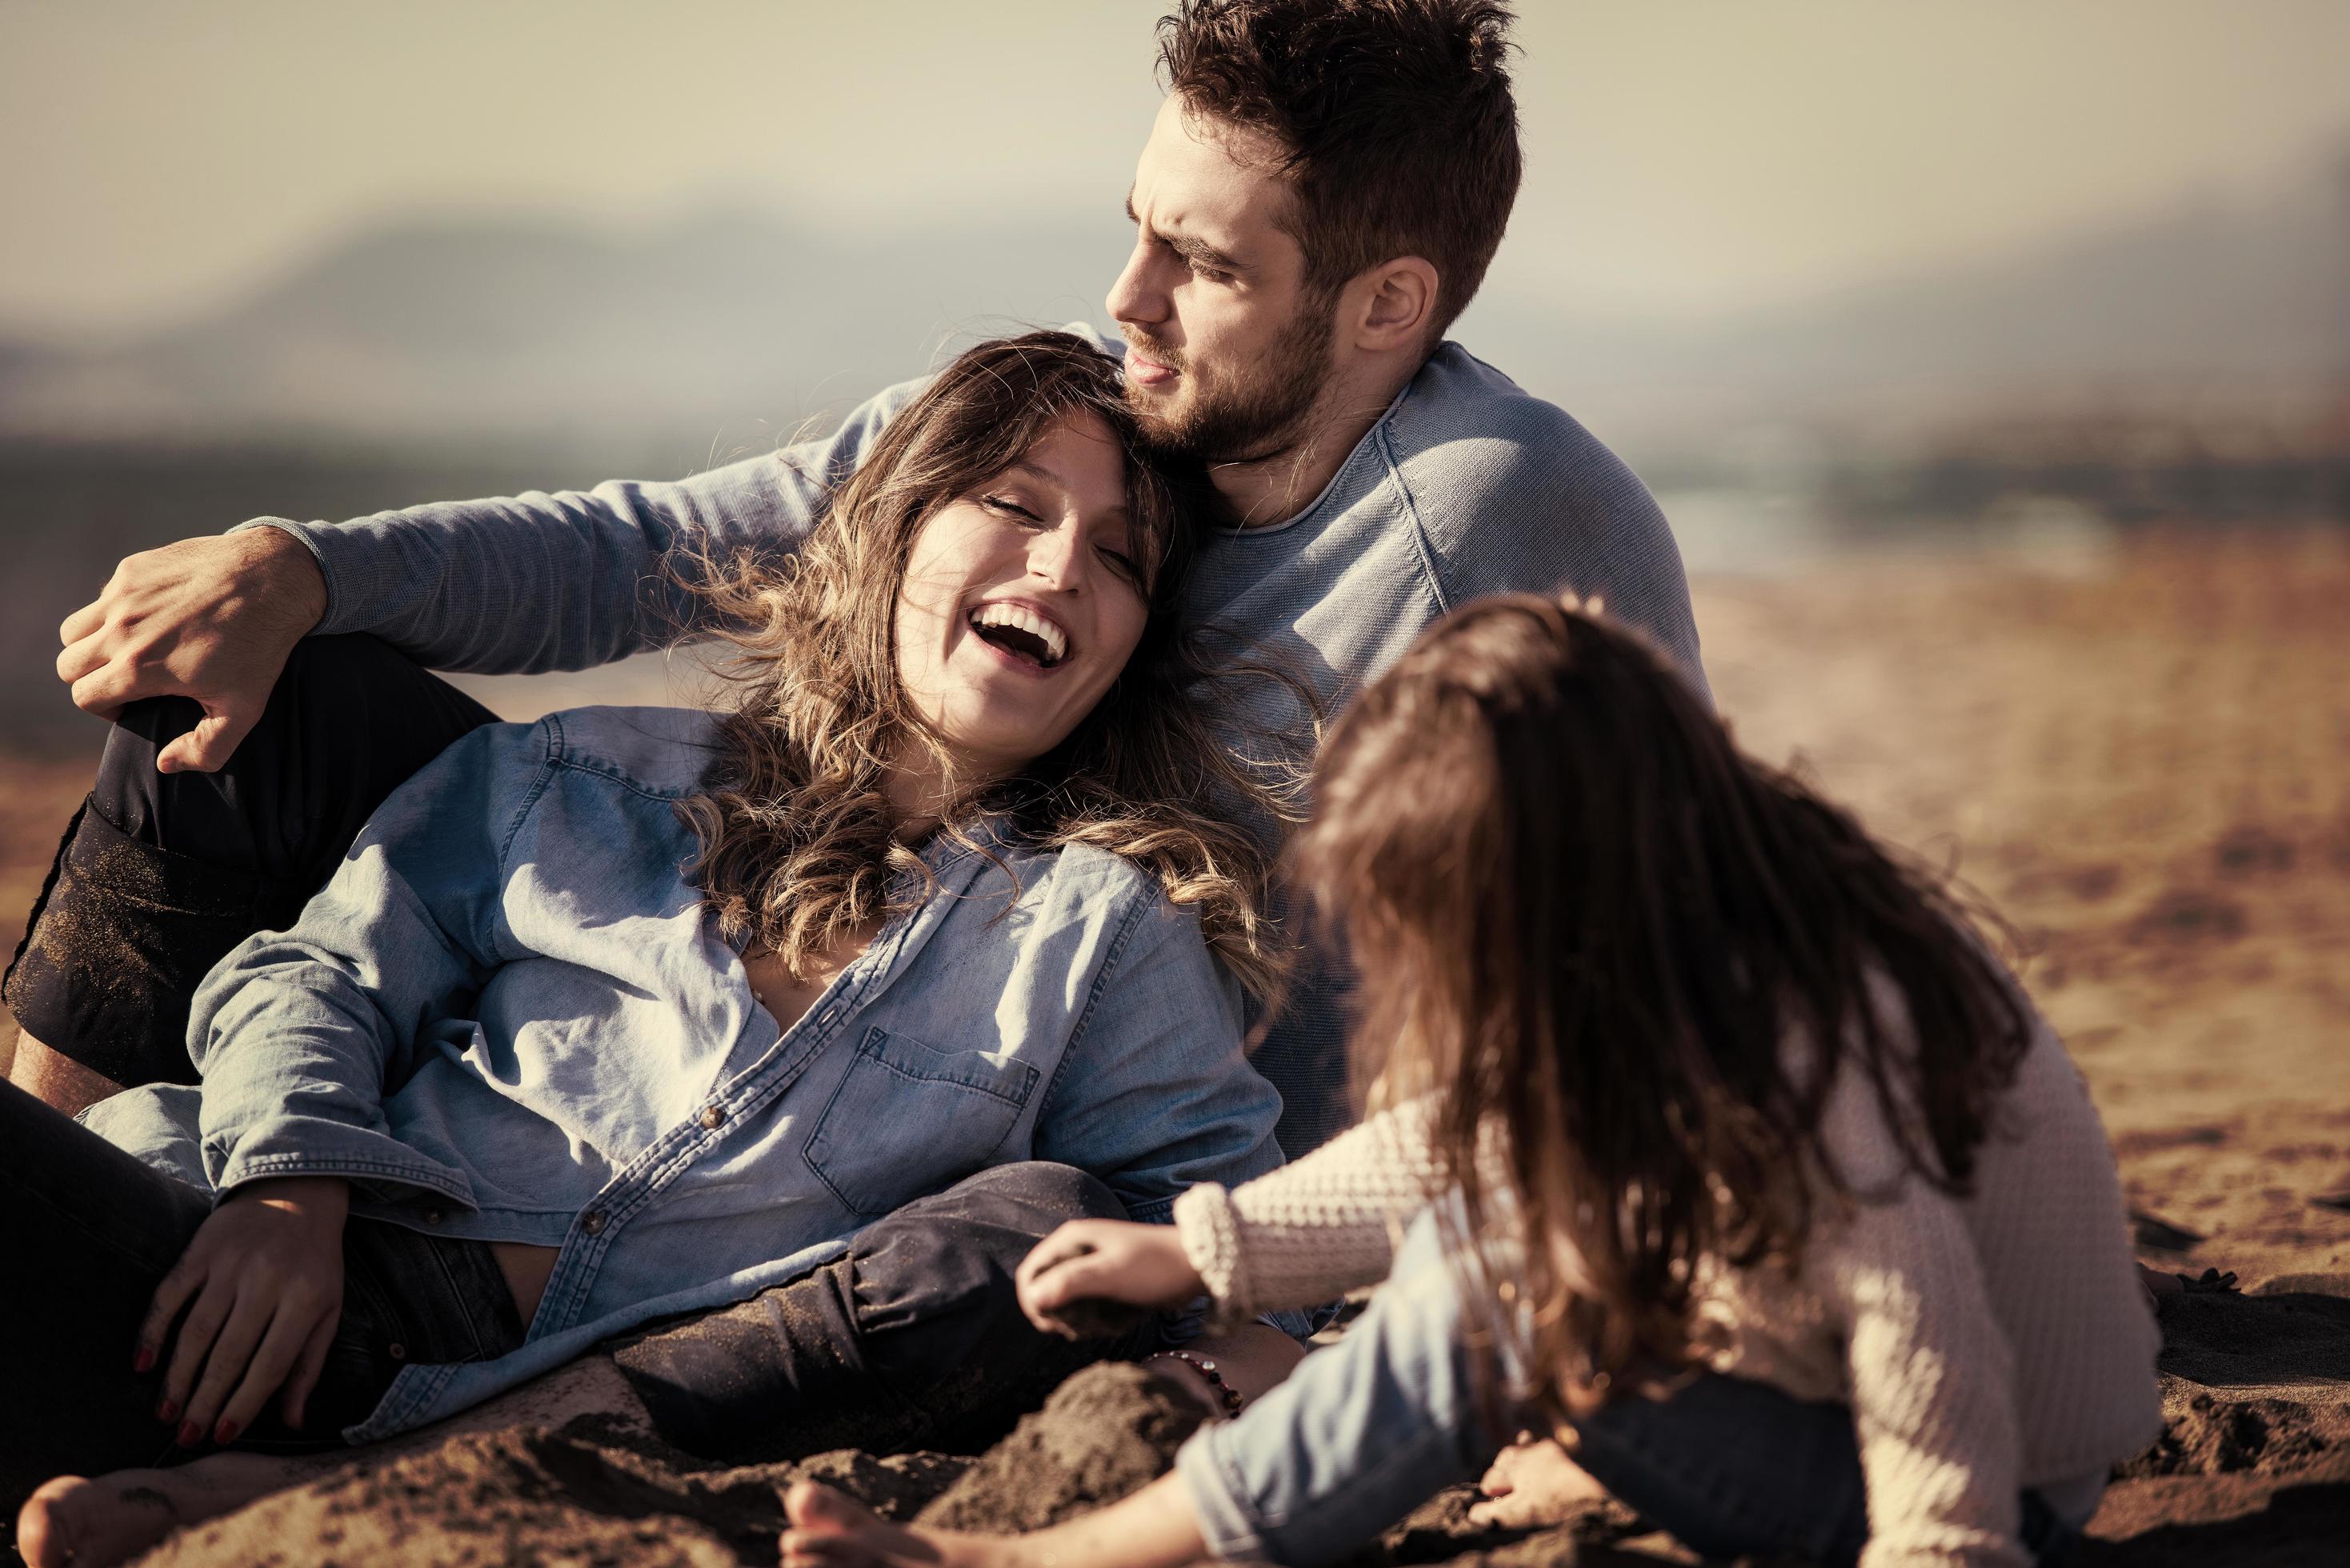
[1932, 1381]
[572, 580]
[1315, 1228]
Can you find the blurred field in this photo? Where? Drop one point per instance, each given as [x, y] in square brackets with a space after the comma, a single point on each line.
[2141, 753]
[2144, 759]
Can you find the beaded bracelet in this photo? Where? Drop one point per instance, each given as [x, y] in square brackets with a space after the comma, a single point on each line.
[1226, 1395]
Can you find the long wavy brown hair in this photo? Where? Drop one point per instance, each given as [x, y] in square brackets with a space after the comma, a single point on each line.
[1587, 928]
[799, 844]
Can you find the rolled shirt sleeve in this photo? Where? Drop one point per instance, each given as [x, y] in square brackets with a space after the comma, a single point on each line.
[296, 1032]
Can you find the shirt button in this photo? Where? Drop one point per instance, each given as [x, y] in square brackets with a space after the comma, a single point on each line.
[396, 1350]
[435, 1216]
[592, 1222]
[713, 1115]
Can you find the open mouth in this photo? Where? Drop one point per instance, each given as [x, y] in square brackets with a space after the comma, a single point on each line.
[1022, 633]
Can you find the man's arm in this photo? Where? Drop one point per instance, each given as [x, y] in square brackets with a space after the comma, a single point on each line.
[1545, 506]
[513, 585]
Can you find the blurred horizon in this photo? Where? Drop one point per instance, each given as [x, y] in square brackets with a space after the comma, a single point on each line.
[171, 160]
[1831, 277]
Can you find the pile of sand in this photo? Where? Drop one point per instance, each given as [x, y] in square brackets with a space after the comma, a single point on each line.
[2253, 1468]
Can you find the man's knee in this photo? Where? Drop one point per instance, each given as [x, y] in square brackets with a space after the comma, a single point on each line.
[348, 719]
[914, 1337]
[956, 1251]
[1038, 1194]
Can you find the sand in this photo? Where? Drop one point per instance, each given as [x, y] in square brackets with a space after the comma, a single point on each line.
[2253, 1469]
[2140, 752]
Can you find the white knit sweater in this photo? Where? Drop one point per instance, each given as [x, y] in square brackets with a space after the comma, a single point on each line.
[1985, 1345]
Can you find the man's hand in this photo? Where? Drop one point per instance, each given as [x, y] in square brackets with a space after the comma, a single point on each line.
[1103, 1260]
[212, 619]
[263, 1285]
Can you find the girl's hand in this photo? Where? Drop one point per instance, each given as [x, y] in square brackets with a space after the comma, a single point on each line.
[1103, 1260]
[263, 1286]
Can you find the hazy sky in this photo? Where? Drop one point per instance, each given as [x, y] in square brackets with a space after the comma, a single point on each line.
[1683, 155]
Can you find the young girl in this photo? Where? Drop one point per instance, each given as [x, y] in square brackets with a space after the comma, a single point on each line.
[1758, 1174]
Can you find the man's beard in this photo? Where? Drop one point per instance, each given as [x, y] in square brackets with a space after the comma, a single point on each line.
[1249, 417]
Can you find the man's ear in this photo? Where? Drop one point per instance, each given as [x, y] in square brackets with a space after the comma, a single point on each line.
[1395, 300]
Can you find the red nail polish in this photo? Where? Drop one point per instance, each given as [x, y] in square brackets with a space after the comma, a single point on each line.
[188, 1437]
[169, 1410]
[225, 1433]
[144, 1361]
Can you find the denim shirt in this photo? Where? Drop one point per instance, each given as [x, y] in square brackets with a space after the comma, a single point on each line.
[507, 1017]
[1465, 486]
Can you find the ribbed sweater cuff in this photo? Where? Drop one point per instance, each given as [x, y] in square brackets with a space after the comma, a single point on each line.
[1209, 1228]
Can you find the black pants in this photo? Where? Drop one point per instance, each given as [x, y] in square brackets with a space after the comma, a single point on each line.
[914, 1340]
[160, 874]
[89, 1232]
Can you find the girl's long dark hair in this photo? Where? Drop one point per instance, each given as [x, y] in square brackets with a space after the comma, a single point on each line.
[1589, 928]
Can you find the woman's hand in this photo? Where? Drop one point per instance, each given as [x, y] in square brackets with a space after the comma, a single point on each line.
[263, 1286]
[1103, 1260]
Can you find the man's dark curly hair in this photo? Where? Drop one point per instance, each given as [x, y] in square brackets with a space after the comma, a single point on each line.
[1398, 131]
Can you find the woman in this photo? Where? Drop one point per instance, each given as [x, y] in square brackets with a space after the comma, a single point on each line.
[627, 1014]
[1761, 1179]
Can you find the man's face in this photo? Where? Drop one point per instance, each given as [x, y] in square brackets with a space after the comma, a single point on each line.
[1226, 348]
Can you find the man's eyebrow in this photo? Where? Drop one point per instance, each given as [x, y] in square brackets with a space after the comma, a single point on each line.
[1191, 247]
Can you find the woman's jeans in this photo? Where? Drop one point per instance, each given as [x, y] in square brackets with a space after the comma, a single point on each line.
[1362, 1432]
[89, 1232]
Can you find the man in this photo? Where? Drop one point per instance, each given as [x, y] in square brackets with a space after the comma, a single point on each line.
[1319, 200]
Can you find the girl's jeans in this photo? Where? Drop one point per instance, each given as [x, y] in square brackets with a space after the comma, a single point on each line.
[1367, 1430]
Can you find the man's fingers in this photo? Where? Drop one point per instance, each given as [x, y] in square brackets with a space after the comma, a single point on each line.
[207, 747]
[82, 623]
[79, 657]
[232, 1353]
[114, 683]
[307, 1371]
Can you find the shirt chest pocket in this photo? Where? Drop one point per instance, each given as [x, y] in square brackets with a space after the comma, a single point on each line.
[909, 1119]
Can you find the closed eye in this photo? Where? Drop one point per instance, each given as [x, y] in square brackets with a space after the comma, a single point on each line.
[1004, 503]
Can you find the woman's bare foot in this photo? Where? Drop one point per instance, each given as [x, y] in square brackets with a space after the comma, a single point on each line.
[1532, 1483]
[113, 1516]
[116, 1517]
[832, 1529]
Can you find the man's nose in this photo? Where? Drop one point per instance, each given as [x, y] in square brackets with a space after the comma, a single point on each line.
[1140, 295]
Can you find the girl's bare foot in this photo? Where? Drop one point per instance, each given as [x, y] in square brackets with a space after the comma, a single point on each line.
[835, 1530]
[85, 1524]
[1532, 1483]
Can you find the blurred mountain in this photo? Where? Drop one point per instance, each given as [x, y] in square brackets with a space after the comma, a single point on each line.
[2227, 299]
[728, 327]
[534, 329]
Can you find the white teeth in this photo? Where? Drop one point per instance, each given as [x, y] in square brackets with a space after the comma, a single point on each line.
[1023, 619]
